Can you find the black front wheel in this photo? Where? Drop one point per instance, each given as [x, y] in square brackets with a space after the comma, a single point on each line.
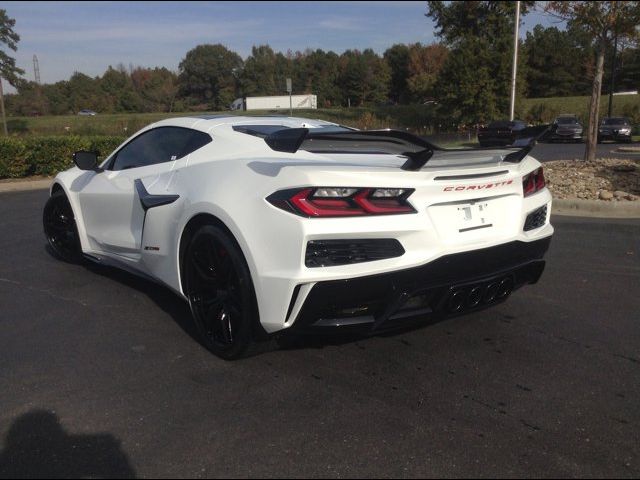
[60, 228]
[218, 286]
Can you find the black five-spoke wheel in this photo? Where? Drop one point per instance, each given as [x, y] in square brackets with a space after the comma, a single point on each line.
[220, 292]
[60, 228]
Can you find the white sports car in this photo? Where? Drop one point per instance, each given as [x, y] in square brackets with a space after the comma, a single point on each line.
[271, 224]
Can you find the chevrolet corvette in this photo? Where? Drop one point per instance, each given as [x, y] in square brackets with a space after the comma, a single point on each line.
[274, 224]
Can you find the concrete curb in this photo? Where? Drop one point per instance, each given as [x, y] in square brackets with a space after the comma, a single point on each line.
[628, 150]
[596, 208]
[22, 185]
[570, 207]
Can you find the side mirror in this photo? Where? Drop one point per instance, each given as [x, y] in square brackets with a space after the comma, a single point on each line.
[86, 161]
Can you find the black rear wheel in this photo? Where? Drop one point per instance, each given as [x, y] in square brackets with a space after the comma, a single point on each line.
[220, 292]
[60, 228]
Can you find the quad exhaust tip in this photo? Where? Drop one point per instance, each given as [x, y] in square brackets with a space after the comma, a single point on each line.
[470, 297]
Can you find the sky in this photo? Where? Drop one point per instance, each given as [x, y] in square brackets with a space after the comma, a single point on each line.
[89, 36]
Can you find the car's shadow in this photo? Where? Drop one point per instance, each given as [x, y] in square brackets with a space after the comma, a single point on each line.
[168, 301]
[179, 311]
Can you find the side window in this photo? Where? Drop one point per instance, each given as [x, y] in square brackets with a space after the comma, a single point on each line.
[162, 144]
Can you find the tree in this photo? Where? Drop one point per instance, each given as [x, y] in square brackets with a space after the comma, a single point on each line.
[317, 71]
[119, 93]
[486, 29]
[425, 64]
[602, 21]
[83, 92]
[397, 57]
[628, 69]
[8, 69]
[557, 62]
[466, 87]
[156, 87]
[26, 101]
[208, 75]
[258, 75]
[364, 77]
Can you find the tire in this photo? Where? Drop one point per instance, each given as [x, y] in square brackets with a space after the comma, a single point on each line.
[60, 228]
[218, 286]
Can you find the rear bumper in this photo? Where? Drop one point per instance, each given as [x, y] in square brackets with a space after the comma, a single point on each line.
[448, 286]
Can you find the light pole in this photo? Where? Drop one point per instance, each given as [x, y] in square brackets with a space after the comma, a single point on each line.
[289, 89]
[613, 72]
[4, 117]
[515, 62]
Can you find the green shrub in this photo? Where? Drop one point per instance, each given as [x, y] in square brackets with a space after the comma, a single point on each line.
[50, 155]
[13, 158]
[20, 157]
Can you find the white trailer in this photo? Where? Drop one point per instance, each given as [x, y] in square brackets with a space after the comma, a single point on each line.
[309, 101]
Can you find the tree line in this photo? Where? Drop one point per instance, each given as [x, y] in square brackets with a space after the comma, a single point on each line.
[466, 76]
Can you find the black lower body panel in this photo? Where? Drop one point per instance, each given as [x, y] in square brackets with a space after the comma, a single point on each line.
[450, 285]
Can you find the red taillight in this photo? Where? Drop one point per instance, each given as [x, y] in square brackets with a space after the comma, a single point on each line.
[380, 205]
[533, 182]
[343, 202]
[306, 204]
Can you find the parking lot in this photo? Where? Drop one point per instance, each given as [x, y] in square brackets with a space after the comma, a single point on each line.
[570, 151]
[100, 376]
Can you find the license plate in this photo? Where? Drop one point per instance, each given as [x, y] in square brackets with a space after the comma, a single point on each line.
[473, 216]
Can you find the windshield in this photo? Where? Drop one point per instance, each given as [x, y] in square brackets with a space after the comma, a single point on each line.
[567, 121]
[615, 121]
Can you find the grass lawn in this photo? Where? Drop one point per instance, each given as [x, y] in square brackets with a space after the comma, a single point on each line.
[401, 116]
[621, 105]
[415, 118]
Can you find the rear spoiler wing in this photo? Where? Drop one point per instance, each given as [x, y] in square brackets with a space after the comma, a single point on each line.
[416, 149]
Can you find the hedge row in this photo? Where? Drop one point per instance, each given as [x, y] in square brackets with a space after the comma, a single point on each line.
[21, 157]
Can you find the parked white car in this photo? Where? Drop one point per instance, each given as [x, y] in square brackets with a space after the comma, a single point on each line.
[273, 224]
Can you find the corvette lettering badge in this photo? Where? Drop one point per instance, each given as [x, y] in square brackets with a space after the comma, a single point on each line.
[485, 186]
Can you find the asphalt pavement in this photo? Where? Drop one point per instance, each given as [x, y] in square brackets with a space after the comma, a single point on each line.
[100, 377]
[545, 152]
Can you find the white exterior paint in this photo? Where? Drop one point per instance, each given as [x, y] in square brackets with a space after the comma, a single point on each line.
[231, 177]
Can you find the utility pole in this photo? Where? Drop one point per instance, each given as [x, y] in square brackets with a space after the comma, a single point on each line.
[613, 71]
[515, 62]
[36, 69]
[4, 118]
